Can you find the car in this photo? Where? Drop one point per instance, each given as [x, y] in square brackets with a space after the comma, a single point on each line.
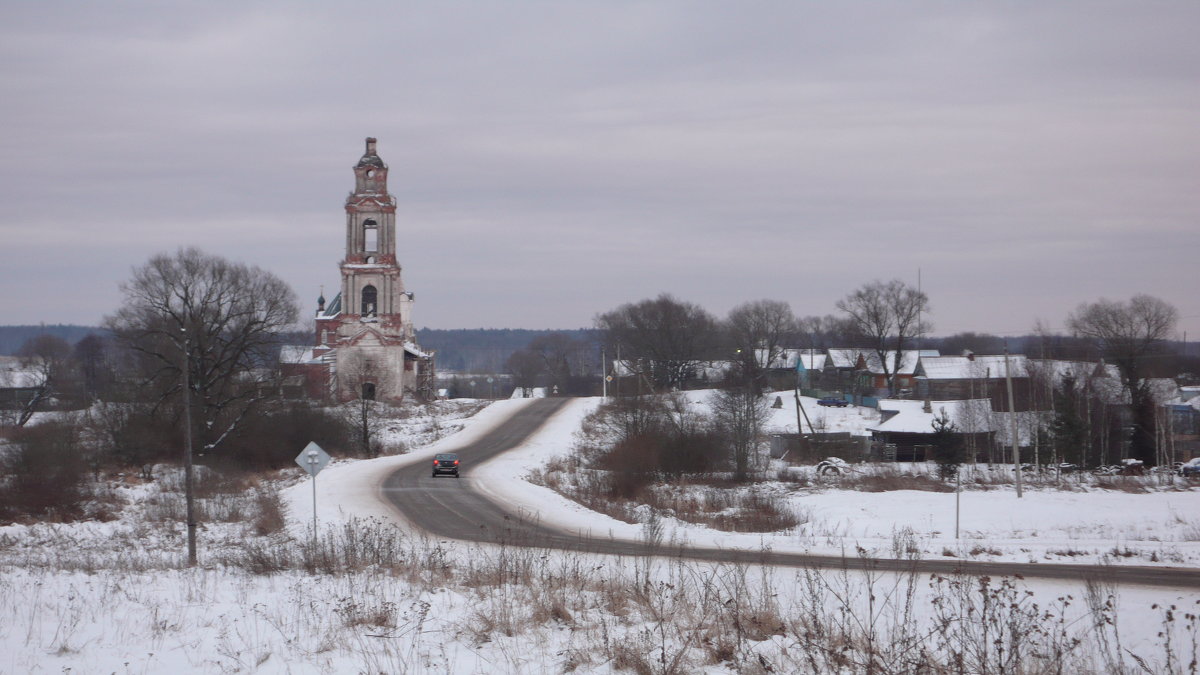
[445, 463]
[833, 402]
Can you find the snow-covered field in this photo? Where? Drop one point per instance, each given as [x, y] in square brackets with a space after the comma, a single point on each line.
[113, 597]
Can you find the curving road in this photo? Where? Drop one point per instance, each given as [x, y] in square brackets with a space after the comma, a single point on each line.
[447, 507]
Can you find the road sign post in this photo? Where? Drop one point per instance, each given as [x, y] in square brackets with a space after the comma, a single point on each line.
[312, 459]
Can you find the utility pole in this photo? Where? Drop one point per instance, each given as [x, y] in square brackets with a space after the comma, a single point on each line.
[620, 364]
[603, 373]
[189, 493]
[1012, 417]
[801, 411]
[919, 331]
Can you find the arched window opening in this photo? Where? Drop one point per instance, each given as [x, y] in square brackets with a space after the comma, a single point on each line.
[370, 236]
[369, 296]
[368, 391]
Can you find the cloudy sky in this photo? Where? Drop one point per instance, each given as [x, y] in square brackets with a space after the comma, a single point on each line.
[553, 160]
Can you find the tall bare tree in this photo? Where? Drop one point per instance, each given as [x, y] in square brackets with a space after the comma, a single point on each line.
[365, 416]
[669, 337]
[227, 314]
[561, 357]
[818, 332]
[890, 316]
[96, 376]
[525, 366]
[1128, 334]
[740, 412]
[758, 331]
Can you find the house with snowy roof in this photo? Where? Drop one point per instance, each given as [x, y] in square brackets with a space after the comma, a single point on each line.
[787, 364]
[906, 427]
[902, 370]
[861, 370]
[20, 381]
[842, 359]
[975, 376]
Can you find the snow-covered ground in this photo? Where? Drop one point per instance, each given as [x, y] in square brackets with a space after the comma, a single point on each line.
[111, 597]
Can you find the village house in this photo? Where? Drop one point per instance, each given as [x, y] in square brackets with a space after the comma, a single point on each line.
[905, 427]
[973, 376]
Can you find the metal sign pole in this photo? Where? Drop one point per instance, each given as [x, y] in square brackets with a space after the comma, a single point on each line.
[957, 493]
[312, 459]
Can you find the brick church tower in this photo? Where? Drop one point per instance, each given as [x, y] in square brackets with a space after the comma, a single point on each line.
[365, 334]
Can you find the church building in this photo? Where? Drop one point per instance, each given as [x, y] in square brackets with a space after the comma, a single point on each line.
[365, 342]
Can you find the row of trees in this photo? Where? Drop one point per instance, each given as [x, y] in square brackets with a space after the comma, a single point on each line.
[669, 341]
[666, 344]
[672, 339]
[556, 361]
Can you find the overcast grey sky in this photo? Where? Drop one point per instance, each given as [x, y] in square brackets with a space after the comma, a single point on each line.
[555, 159]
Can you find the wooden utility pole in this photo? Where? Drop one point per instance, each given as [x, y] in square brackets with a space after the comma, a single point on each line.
[1012, 417]
[603, 374]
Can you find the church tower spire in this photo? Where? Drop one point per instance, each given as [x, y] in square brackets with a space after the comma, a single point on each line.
[365, 334]
[370, 213]
[372, 287]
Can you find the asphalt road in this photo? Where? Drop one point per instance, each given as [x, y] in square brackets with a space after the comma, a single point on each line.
[447, 507]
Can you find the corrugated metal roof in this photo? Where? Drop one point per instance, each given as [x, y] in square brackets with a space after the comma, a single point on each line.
[908, 361]
[976, 368]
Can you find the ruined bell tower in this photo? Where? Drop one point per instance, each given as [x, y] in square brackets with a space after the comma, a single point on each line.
[367, 328]
[372, 288]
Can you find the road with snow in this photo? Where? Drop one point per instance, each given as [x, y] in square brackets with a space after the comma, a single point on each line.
[448, 507]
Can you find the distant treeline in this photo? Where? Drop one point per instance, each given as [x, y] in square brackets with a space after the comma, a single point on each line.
[485, 350]
[12, 337]
[462, 349]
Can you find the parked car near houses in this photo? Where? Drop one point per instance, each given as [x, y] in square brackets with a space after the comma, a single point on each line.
[833, 402]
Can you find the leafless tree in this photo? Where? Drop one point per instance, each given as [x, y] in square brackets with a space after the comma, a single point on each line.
[525, 366]
[819, 332]
[670, 337]
[739, 412]
[227, 314]
[1128, 334]
[91, 359]
[364, 415]
[758, 331]
[561, 357]
[890, 316]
